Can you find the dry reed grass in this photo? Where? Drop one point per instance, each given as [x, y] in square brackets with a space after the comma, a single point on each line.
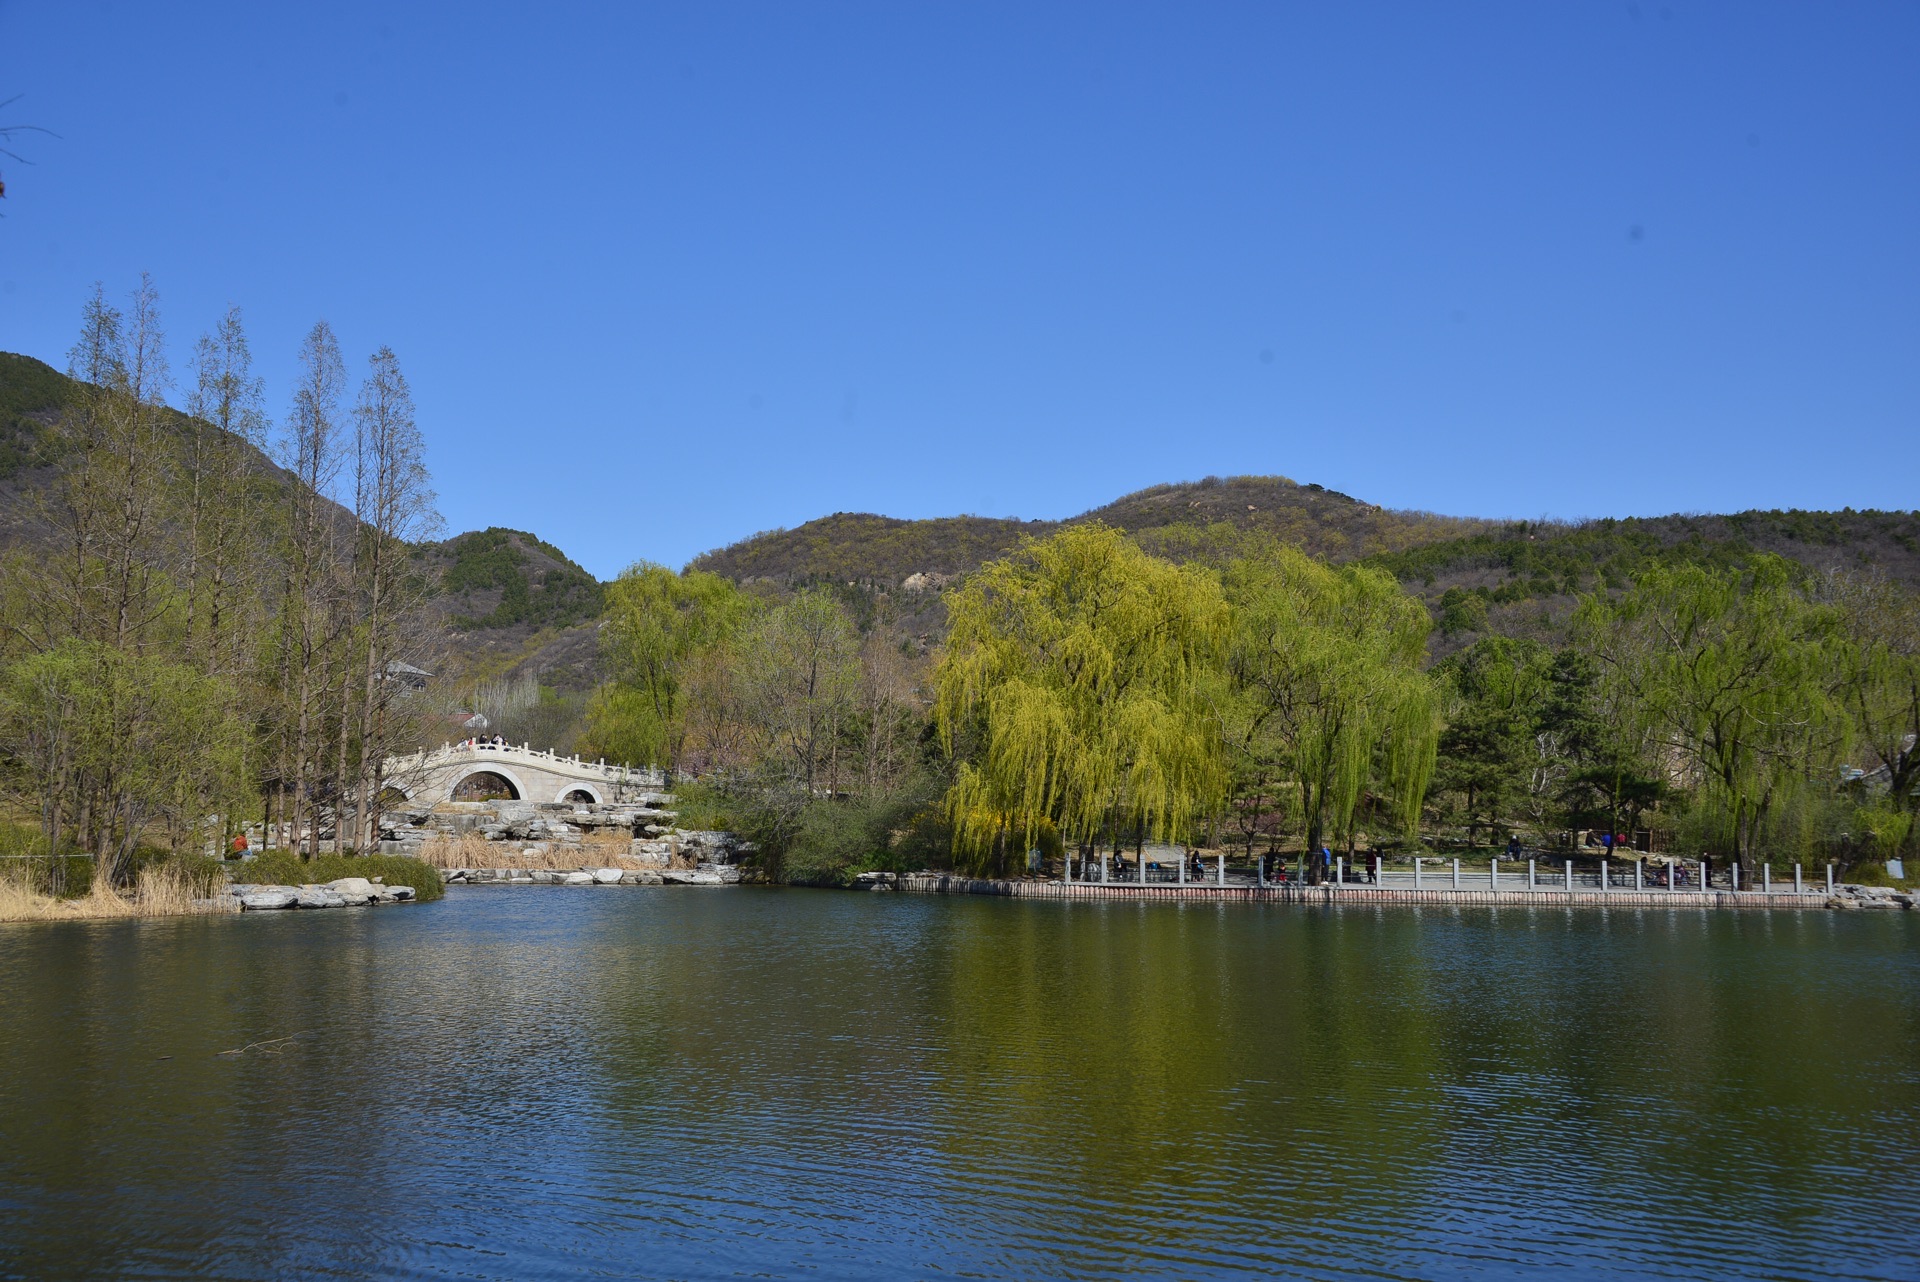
[456, 852]
[471, 850]
[158, 892]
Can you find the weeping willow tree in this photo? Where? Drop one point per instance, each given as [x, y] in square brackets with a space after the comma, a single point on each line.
[1879, 685]
[1329, 692]
[1730, 673]
[1079, 674]
[659, 624]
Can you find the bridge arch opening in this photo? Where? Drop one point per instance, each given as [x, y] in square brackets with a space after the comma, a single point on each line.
[485, 785]
[580, 794]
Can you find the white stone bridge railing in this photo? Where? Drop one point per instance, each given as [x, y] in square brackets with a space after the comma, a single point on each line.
[536, 774]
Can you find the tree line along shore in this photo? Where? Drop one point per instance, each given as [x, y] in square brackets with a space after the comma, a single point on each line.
[1092, 697]
[202, 640]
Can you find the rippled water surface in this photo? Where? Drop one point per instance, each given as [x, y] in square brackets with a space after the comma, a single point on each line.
[632, 1082]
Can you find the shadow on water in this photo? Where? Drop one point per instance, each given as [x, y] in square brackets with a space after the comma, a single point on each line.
[547, 1082]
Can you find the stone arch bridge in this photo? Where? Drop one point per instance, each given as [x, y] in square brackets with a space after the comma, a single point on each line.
[480, 771]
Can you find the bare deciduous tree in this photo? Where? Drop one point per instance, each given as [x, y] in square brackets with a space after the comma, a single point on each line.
[311, 450]
[395, 505]
[220, 525]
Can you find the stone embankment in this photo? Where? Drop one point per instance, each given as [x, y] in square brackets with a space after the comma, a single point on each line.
[346, 892]
[1850, 898]
[644, 827]
[702, 875]
[1844, 898]
[627, 843]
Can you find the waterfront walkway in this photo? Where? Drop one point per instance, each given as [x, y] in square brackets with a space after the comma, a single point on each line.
[1393, 892]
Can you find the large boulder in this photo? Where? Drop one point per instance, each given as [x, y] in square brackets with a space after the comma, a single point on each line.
[318, 897]
[682, 877]
[657, 854]
[579, 879]
[269, 897]
[607, 876]
[1883, 897]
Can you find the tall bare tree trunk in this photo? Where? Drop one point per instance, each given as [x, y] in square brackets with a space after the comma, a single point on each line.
[311, 451]
[395, 507]
[341, 796]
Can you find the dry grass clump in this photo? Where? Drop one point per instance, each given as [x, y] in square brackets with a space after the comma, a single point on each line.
[162, 891]
[471, 850]
[468, 850]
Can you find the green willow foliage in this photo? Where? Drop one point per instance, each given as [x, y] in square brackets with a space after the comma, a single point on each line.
[657, 623]
[1089, 672]
[1328, 689]
[1732, 677]
[1103, 691]
[1880, 680]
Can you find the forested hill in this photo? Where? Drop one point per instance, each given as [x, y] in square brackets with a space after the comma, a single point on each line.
[505, 598]
[1185, 520]
[1505, 563]
[859, 547]
[512, 602]
[1540, 558]
[497, 578]
[1523, 578]
[31, 394]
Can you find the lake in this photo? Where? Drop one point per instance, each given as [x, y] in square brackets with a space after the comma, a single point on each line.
[635, 1082]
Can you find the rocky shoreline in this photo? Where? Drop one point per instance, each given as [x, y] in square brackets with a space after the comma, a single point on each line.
[708, 874]
[345, 892]
[359, 892]
[1851, 898]
[642, 832]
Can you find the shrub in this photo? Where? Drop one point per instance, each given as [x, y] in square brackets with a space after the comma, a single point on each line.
[703, 806]
[1874, 873]
[283, 868]
[837, 839]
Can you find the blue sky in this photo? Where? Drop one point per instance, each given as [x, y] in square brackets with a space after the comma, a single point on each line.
[665, 275]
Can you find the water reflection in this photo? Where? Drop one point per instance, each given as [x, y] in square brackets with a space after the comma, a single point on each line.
[525, 1083]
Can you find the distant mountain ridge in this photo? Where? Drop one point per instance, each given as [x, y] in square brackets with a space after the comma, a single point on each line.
[505, 598]
[33, 395]
[512, 603]
[1476, 576]
[1180, 520]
